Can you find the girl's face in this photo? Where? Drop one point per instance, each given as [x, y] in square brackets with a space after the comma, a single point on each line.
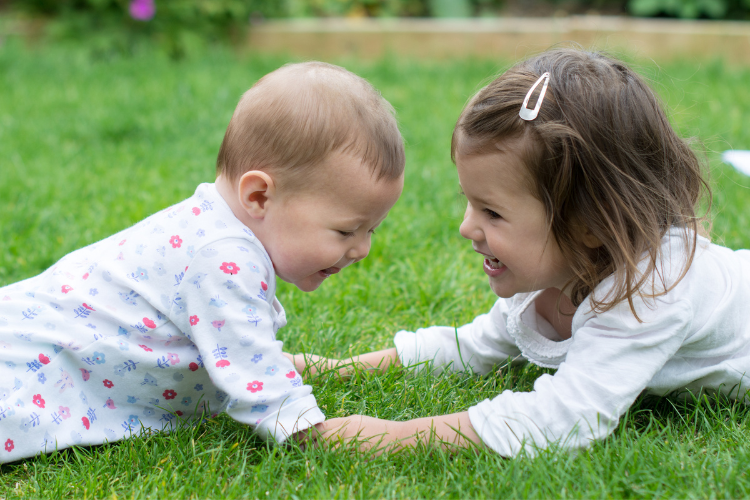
[507, 224]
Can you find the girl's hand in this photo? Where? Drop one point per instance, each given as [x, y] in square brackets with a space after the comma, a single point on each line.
[367, 432]
[312, 364]
[371, 361]
[450, 432]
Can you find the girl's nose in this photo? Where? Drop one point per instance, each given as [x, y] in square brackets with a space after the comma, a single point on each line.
[469, 228]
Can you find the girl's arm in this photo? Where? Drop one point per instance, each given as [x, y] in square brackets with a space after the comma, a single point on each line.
[448, 431]
[374, 361]
[477, 346]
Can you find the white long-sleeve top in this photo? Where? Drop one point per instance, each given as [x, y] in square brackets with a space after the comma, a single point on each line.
[696, 337]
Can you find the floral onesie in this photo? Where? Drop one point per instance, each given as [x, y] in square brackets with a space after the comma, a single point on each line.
[172, 317]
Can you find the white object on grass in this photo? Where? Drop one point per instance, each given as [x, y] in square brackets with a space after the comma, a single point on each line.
[740, 160]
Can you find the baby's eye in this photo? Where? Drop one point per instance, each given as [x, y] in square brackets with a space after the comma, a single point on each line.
[492, 214]
[346, 233]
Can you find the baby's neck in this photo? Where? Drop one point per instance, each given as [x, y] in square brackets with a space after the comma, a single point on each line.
[228, 191]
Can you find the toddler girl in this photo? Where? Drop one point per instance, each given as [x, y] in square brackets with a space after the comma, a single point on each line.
[177, 315]
[582, 203]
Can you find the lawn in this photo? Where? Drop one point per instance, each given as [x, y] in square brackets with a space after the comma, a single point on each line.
[92, 141]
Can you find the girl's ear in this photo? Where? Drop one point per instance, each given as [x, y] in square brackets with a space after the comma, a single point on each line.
[256, 189]
[589, 239]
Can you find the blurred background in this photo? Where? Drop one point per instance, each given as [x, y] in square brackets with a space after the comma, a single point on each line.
[372, 27]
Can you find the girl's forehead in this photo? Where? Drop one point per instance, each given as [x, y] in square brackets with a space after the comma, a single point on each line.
[495, 173]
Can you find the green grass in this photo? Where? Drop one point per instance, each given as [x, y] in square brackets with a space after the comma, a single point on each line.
[93, 141]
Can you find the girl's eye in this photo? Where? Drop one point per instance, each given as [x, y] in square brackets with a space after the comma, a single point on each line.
[492, 214]
[346, 233]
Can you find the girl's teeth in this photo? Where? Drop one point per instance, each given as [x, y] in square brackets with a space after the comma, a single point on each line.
[494, 263]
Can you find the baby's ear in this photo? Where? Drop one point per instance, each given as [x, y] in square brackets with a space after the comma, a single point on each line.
[255, 190]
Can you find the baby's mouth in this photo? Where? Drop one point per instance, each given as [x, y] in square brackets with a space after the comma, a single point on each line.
[329, 271]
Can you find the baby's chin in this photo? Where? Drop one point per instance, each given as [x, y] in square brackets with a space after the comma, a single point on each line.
[308, 284]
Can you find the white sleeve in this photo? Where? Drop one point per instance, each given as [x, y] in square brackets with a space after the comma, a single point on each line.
[228, 314]
[478, 346]
[610, 362]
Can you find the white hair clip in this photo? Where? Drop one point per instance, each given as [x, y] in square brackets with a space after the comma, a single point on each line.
[530, 114]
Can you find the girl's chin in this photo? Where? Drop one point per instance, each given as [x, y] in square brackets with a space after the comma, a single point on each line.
[502, 292]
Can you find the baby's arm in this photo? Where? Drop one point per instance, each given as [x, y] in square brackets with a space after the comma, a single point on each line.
[448, 431]
[228, 313]
[378, 361]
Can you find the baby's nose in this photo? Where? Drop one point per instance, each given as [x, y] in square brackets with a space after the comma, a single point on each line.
[360, 250]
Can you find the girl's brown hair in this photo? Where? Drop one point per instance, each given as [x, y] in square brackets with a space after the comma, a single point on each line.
[602, 157]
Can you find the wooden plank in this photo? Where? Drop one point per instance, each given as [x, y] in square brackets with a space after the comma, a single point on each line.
[503, 38]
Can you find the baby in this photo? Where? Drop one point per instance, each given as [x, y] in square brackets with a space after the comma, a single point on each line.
[177, 315]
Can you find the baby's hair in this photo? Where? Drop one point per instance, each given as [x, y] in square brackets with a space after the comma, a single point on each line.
[602, 157]
[294, 118]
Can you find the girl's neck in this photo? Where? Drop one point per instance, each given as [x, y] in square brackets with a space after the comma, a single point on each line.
[554, 306]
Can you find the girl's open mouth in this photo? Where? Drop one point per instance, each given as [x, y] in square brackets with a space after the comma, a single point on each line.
[493, 267]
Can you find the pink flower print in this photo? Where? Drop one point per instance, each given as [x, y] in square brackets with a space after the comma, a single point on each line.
[86, 276]
[66, 288]
[173, 358]
[86, 423]
[43, 359]
[145, 348]
[193, 366]
[291, 374]
[255, 386]
[178, 413]
[110, 404]
[229, 268]
[196, 210]
[175, 241]
[194, 320]
[169, 394]
[122, 242]
[37, 400]
[263, 286]
[149, 323]
[64, 412]
[218, 324]
[86, 374]
[222, 363]
[108, 383]
[9, 445]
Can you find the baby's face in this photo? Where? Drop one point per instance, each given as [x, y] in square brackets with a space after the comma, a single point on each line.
[318, 232]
